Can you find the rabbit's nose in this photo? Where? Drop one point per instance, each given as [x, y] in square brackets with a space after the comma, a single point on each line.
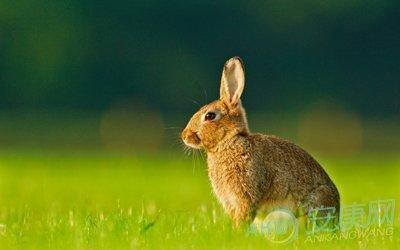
[185, 134]
[190, 138]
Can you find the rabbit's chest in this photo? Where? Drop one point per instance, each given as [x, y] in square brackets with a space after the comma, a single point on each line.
[229, 183]
[226, 185]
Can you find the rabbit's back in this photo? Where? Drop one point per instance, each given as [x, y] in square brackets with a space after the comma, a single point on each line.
[295, 176]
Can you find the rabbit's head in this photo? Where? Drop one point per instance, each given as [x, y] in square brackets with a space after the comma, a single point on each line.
[222, 119]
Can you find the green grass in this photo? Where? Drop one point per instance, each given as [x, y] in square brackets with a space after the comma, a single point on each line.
[97, 200]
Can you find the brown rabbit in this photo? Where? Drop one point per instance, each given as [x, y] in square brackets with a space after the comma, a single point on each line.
[254, 173]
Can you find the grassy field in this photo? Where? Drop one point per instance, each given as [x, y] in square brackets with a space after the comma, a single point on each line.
[93, 200]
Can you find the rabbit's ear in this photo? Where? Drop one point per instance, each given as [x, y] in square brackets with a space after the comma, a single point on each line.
[232, 81]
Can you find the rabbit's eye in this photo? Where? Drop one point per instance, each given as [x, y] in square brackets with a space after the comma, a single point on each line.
[210, 116]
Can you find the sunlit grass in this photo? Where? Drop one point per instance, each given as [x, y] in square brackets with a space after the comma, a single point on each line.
[90, 199]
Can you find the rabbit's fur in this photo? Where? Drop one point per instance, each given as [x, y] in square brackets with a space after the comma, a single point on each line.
[254, 173]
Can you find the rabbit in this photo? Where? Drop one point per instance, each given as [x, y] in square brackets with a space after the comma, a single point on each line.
[253, 173]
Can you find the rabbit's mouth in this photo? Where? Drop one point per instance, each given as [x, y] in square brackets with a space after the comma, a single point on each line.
[191, 139]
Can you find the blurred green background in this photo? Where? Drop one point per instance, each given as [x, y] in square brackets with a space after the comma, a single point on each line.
[124, 73]
[94, 94]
